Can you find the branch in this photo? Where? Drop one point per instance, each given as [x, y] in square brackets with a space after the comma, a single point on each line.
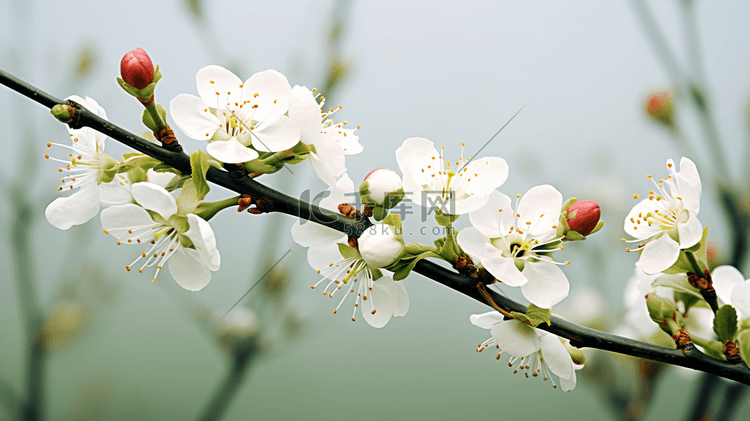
[579, 336]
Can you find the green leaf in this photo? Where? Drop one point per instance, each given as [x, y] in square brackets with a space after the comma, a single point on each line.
[188, 198]
[177, 182]
[127, 156]
[257, 166]
[393, 220]
[199, 165]
[725, 323]
[348, 252]
[148, 121]
[534, 315]
[402, 269]
[162, 167]
[743, 340]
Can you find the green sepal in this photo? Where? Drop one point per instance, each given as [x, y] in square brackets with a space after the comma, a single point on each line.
[534, 316]
[162, 167]
[394, 220]
[207, 210]
[598, 226]
[348, 252]
[148, 121]
[177, 182]
[144, 162]
[660, 309]
[256, 165]
[683, 265]
[376, 273]
[199, 165]
[188, 198]
[443, 219]
[393, 198]
[725, 323]
[567, 204]
[402, 268]
[129, 155]
[379, 212]
[156, 217]
[575, 353]
[137, 175]
[144, 93]
[678, 282]
[414, 249]
[439, 242]
[185, 241]
[743, 343]
[571, 235]
[180, 223]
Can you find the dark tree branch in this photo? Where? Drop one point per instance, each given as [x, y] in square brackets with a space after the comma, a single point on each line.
[579, 336]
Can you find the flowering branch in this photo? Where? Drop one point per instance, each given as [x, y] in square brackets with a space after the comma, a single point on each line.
[275, 201]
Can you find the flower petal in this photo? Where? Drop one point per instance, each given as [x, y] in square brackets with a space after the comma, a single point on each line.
[120, 219]
[516, 338]
[76, 209]
[277, 133]
[219, 88]
[658, 255]
[689, 185]
[332, 157]
[204, 240]
[273, 91]
[487, 219]
[484, 175]
[473, 242]
[547, 284]
[725, 278]
[116, 192]
[402, 305]
[690, 232]
[741, 299]
[486, 320]
[188, 270]
[383, 299]
[154, 198]
[231, 151]
[540, 210]
[504, 269]
[193, 117]
[555, 355]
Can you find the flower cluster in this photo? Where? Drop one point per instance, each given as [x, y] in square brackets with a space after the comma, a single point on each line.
[257, 126]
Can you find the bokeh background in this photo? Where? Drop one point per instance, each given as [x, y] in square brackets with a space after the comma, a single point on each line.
[128, 349]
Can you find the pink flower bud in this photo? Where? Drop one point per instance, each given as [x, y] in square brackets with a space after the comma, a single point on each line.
[586, 217]
[660, 107]
[137, 69]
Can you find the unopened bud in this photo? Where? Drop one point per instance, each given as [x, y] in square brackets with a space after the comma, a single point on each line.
[137, 69]
[583, 216]
[380, 245]
[660, 107]
[382, 187]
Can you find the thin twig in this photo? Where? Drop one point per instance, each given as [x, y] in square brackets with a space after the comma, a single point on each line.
[579, 336]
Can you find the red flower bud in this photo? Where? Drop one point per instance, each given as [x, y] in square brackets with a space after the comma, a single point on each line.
[137, 69]
[660, 107]
[586, 217]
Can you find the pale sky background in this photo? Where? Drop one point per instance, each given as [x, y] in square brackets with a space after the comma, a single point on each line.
[431, 69]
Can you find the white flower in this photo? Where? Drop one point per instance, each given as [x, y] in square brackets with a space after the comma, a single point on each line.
[380, 183]
[381, 298]
[667, 220]
[188, 241]
[235, 115]
[536, 351]
[431, 182]
[331, 141]
[732, 288]
[513, 244]
[380, 245]
[87, 169]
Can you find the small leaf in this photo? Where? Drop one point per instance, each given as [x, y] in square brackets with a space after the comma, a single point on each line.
[348, 252]
[176, 182]
[393, 220]
[744, 344]
[401, 270]
[538, 315]
[199, 165]
[188, 198]
[725, 323]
